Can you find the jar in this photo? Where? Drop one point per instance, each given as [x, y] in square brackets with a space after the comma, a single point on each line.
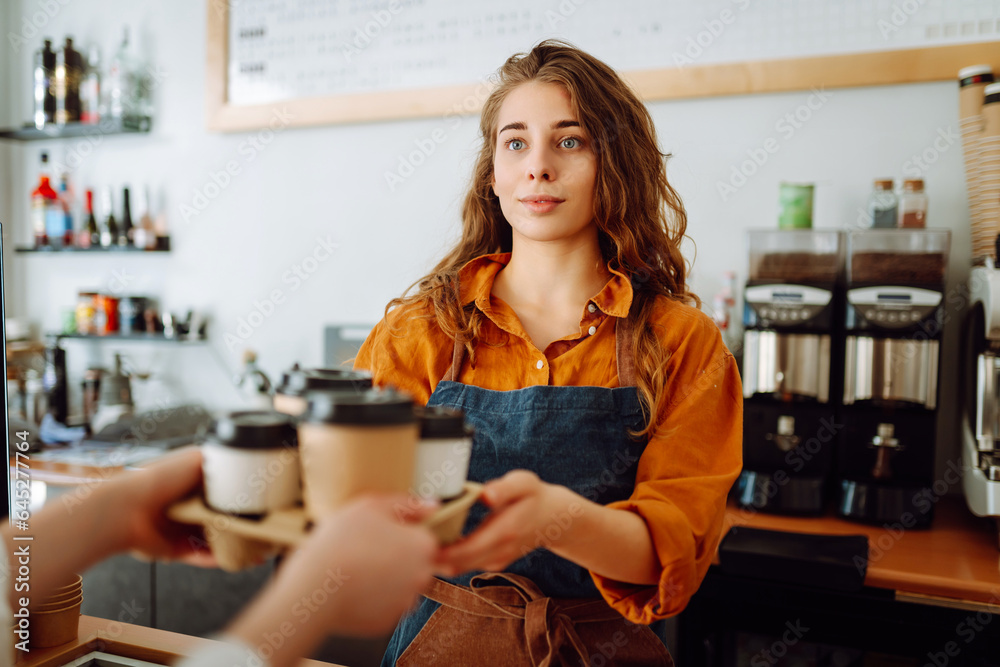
[85, 313]
[913, 205]
[250, 461]
[443, 453]
[354, 443]
[290, 396]
[131, 317]
[882, 206]
[106, 314]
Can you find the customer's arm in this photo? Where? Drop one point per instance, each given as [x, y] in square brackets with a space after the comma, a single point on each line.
[359, 571]
[90, 523]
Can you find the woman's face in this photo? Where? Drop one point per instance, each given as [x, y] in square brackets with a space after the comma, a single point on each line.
[545, 167]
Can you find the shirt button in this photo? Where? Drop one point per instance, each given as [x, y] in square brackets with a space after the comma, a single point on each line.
[592, 330]
[540, 364]
[591, 308]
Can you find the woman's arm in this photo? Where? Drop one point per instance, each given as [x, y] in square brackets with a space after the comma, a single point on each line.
[528, 514]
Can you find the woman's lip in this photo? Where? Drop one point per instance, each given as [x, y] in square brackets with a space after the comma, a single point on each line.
[541, 205]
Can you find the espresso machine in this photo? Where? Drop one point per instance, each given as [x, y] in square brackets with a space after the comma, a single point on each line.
[981, 416]
[792, 339]
[893, 326]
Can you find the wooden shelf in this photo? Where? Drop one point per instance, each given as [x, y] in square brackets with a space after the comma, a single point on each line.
[70, 130]
[141, 337]
[96, 251]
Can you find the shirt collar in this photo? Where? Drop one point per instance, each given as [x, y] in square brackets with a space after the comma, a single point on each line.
[475, 281]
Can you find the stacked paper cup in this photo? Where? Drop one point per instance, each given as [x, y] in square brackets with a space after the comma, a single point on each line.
[972, 81]
[988, 160]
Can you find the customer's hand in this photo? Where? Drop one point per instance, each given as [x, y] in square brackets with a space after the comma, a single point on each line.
[370, 559]
[143, 497]
[362, 568]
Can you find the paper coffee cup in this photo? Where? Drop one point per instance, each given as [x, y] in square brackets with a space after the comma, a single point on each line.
[250, 462]
[443, 453]
[290, 396]
[354, 443]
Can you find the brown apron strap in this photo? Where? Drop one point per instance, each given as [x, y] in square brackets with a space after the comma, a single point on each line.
[549, 624]
[623, 352]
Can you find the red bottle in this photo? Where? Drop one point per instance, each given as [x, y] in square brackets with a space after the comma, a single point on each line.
[46, 208]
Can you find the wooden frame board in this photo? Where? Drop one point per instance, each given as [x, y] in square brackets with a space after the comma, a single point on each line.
[937, 63]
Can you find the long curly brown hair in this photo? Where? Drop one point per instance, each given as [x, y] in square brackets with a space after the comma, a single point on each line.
[640, 218]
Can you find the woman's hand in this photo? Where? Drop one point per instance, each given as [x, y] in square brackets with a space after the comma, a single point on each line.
[526, 513]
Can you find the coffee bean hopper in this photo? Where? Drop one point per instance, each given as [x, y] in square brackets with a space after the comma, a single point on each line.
[792, 334]
[894, 320]
[981, 397]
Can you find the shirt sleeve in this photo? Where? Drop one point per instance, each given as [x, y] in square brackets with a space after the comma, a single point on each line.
[683, 477]
[404, 351]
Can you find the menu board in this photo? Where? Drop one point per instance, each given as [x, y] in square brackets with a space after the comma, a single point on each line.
[289, 49]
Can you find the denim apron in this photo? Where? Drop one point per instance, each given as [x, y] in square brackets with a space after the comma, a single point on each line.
[573, 436]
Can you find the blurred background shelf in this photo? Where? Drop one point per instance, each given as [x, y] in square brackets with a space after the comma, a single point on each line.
[73, 249]
[143, 337]
[70, 130]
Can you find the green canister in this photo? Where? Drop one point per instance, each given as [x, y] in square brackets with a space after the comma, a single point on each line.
[795, 206]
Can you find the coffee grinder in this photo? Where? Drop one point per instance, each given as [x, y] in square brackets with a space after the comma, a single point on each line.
[792, 334]
[981, 399]
[894, 313]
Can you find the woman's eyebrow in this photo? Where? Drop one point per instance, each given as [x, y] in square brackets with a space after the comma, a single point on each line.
[521, 126]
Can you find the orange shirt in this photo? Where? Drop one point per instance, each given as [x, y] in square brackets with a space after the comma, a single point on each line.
[693, 455]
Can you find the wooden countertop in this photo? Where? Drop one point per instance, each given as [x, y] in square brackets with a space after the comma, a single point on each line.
[122, 639]
[956, 561]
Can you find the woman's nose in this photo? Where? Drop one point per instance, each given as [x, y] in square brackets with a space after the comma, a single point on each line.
[541, 165]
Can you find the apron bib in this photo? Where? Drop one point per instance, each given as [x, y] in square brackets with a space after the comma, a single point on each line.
[543, 610]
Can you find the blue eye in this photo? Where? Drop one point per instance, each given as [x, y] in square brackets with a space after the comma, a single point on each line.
[570, 142]
[514, 144]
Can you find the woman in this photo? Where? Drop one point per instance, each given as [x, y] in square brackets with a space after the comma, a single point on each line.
[608, 412]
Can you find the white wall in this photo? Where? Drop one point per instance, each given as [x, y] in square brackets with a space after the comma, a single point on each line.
[329, 181]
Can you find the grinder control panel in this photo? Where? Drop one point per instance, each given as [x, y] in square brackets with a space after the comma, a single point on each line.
[890, 307]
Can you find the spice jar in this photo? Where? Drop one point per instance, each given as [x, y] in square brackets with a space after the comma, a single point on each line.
[251, 463]
[883, 206]
[85, 313]
[913, 205]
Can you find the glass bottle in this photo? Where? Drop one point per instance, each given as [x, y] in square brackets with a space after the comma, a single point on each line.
[67, 84]
[145, 232]
[913, 205]
[46, 210]
[883, 205]
[126, 229]
[90, 236]
[44, 93]
[66, 200]
[109, 232]
[90, 88]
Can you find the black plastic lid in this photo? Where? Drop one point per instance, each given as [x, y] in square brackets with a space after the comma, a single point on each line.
[437, 421]
[297, 381]
[255, 429]
[373, 407]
